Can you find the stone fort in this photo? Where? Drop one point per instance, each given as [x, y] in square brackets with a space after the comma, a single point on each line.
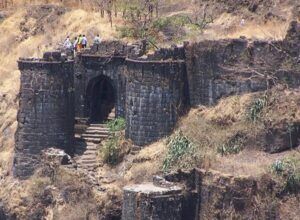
[150, 91]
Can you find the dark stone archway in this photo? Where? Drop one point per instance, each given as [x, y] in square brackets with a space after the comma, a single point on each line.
[100, 98]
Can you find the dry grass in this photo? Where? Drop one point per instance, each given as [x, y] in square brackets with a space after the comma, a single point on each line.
[211, 127]
[68, 194]
[229, 26]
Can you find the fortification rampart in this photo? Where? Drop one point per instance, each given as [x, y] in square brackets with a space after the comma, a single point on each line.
[46, 111]
[221, 68]
[155, 98]
[150, 91]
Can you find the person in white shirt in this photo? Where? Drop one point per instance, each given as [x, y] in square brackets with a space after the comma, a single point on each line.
[68, 44]
[84, 41]
[97, 41]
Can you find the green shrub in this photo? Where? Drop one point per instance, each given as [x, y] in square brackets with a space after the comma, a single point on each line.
[232, 146]
[116, 124]
[111, 150]
[288, 170]
[256, 108]
[178, 147]
[127, 31]
[161, 23]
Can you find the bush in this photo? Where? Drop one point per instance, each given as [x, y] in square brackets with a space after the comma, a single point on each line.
[128, 31]
[116, 124]
[232, 146]
[288, 170]
[178, 147]
[256, 108]
[112, 151]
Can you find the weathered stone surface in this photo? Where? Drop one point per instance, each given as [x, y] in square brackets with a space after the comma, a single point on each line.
[213, 195]
[46, 114]
[280, 138]
[147, 201]
[155, 98]
[222, 68]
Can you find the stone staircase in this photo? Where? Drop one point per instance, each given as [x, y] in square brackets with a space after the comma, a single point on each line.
[86, 145]
[88, 137]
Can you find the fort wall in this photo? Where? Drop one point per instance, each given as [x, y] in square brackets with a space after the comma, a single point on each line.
[46, 111]
[155, 98]
[151, 91]
[221, 68]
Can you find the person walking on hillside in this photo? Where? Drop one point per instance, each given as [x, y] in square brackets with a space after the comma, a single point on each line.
[97, 41]
[84, 41]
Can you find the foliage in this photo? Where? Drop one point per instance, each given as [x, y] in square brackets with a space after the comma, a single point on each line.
[176, 20]
[116, 124]
[232, 146]
[256, 108]
[140, 23]
[178, 147]
[289, 170]
[111, 151]
[126, 31]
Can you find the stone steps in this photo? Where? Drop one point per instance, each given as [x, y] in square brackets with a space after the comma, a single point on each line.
[97, 126]
[93, 140]
[96, 131]
[86, 148]
[94, 135]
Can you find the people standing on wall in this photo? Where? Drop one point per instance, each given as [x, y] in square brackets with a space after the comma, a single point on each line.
[75, 44]
[68, 46]
[79, 42]
[97, 41]
[84, 41]
[67, 43]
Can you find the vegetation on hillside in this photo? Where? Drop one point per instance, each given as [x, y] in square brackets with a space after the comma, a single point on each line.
[116, 146]
[288, 171]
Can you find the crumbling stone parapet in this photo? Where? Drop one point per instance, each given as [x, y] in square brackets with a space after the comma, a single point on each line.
[148, 201]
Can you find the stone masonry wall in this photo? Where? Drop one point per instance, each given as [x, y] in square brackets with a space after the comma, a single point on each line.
[155, 98]
[46, 112]
[218, 69]
[150, 202]
[210, 194]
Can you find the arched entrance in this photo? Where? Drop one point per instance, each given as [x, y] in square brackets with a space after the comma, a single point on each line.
[100, 99]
